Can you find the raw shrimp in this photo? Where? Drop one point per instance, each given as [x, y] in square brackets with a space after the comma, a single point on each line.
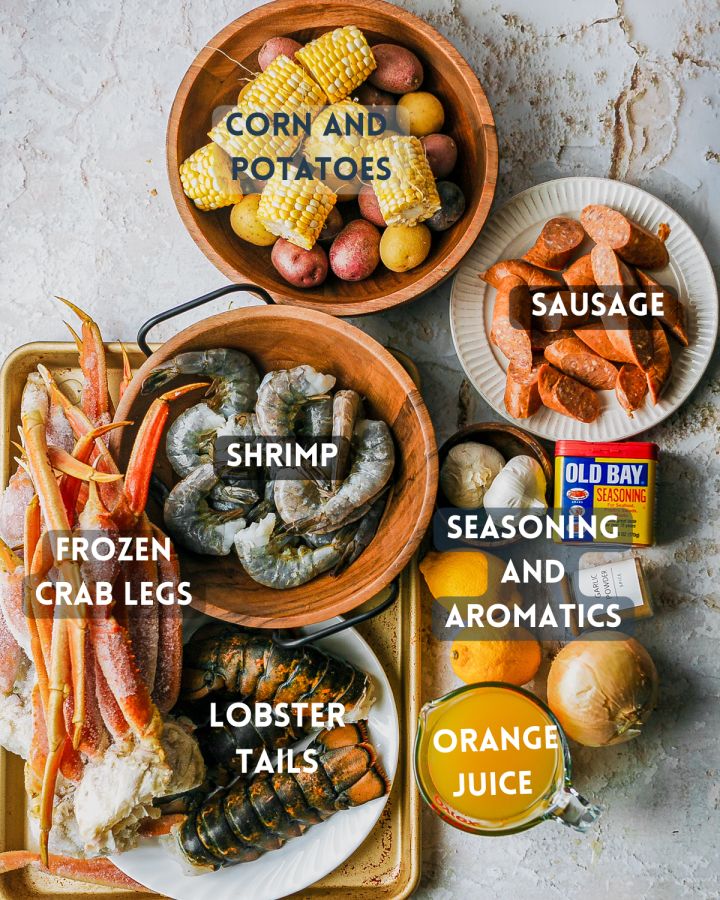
[235, 378]
[316, 418]
[193, 523]
[346, 405]
[279, 561]
[190, 438]
[283, 393]
[303, 506]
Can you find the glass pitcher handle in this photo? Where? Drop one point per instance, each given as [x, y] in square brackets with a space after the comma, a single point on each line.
[575, 811]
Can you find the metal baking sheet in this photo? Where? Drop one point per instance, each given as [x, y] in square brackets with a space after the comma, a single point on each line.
[388, 862]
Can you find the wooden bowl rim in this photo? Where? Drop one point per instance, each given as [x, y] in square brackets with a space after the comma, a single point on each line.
[346, 599]
[443, 268]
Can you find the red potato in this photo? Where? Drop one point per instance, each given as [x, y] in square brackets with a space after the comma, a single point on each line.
[574, 358]
[559, 239]
[332, 227]
[631, 388]
[567, 396]
[369, 95]
[355, 252]
[369, 206]
[300, 268]
[441, 152]
[673, 310]
[579, 276]
[638, 246]
[511, 321]
[659, 372]
[277, 46]
[596, 338]
[522, 396]
[398, 69]
[531, 275]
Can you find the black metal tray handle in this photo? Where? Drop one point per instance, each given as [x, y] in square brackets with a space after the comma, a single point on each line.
[193, 304]
[292, 643]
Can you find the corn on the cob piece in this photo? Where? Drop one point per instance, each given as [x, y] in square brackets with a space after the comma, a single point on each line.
[207, 180]
[295, 208]
[284, 87]
[338, 60]
[409, 196]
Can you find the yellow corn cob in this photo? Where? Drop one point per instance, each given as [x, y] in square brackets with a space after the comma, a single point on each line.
[409, 196]
[338, 60]
[207, 180]
[295, 209]
[283, 87]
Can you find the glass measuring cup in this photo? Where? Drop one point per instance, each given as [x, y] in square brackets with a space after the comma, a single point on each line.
[476, 784]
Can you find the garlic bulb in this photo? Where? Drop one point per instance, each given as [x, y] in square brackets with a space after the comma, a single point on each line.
[467, 473]
[520, 485]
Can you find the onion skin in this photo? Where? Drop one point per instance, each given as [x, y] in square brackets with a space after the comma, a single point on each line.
[602, 688]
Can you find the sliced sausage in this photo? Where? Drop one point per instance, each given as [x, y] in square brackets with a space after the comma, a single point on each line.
[542, 339]
[659, 372]
[635, 244]
[511, 321]
[631, 338]
[522, 397]
[531, 275]
[611, 274]
[595, 336]
[557, 321]
[576, 359]
[579, 276]
[631, 387]
[566, 395]
[559, 239]
[673, 310]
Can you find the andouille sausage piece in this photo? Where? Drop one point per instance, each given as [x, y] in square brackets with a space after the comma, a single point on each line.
[631, 388]
[576, 359]
[673, 310]
[579, 276]
[511, 321]
[627, 333]
[522, 396]
[559, 239]
[659, 372]
[638, 246]
[557, 321]
[542, 339]
[595, 336]
[565, 395]
[531, 275]
[611, 274]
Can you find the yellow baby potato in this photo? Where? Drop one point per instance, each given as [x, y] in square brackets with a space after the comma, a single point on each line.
[402, 247]
[246, 225]
[424, 113]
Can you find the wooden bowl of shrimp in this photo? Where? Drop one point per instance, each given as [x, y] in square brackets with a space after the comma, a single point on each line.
[283, 338]
[221, 68]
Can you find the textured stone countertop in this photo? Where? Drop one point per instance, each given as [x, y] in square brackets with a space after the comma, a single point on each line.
[621, 88]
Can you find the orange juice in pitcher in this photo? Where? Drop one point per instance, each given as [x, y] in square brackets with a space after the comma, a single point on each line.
[492, 759]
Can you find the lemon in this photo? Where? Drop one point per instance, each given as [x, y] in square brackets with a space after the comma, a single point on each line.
[467, 573]
[512, 655]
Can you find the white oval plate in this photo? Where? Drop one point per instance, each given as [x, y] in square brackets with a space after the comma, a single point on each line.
[303, 860]
[512, 231]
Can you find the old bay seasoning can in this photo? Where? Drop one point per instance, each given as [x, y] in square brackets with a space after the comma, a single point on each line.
[608, 479]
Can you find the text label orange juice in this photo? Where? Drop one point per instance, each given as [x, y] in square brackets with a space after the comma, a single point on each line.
[491, 758]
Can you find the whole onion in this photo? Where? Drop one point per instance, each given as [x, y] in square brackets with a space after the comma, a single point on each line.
[602, 688]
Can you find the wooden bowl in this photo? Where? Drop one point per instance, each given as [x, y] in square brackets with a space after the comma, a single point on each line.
[509, 441]
[213, 81]
[278, 338]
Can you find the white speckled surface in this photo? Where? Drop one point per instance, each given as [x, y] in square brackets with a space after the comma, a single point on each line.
[627, 89]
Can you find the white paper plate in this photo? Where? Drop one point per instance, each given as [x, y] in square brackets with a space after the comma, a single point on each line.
[512, 231]
[304, 860]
